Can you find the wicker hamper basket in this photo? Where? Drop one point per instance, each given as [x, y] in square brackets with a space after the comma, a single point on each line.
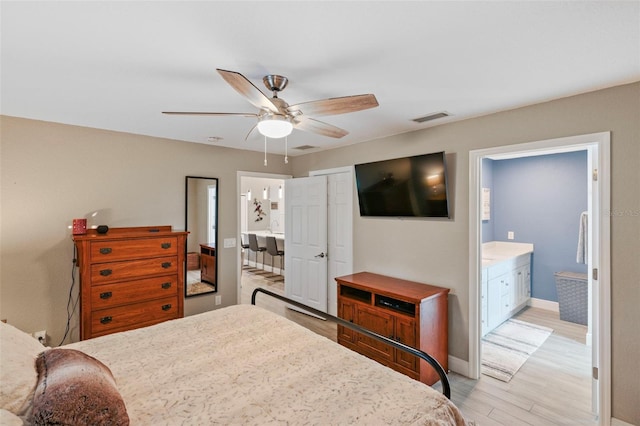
[573, 296]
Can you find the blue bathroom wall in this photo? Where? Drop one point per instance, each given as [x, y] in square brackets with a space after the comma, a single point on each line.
[540, 199]
[487, 182]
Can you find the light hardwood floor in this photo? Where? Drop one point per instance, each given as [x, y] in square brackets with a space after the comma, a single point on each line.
[250, 282]
[552, 388]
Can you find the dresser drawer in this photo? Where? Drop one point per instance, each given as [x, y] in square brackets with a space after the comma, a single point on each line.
[134, 315]
[109, 251]
[126, 270]
[108, 295]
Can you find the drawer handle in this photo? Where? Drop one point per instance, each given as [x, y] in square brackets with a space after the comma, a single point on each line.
[105, 295]
[166, 307]
[166, 285]
[105, 250]
[166, 265]
[166, 245]
[105, 320]
[105, 272]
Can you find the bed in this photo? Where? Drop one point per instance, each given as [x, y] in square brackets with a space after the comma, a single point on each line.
[237, 365]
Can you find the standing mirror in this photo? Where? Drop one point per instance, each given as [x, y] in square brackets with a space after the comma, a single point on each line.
[201, 220]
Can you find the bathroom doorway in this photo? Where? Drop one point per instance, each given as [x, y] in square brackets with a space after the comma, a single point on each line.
[597, 147]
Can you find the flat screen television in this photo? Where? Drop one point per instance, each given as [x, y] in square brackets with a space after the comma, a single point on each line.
[404, 187]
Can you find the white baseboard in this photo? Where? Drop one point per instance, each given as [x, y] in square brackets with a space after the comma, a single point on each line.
[544, 304]
[616, 422]
[458, 365]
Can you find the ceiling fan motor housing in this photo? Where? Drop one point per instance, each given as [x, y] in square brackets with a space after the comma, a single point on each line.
[275, 83]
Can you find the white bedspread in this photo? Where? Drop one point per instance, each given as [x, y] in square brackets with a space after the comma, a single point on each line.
[246, 365]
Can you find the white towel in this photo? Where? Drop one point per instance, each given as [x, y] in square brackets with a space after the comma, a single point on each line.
[581, 256]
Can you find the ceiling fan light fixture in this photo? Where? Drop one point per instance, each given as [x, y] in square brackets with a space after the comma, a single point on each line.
[275, 126]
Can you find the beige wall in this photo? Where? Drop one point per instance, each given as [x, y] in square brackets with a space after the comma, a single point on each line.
[52, 173]
[436, 251]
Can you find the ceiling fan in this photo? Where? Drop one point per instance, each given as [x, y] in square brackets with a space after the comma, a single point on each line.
[276, 118]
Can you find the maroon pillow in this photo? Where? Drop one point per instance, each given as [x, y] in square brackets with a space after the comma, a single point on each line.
[75, 389]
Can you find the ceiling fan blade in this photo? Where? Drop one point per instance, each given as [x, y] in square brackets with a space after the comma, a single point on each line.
[248, 90]
[251, 132]
[243, 114]
[334, 106]
[318, 127]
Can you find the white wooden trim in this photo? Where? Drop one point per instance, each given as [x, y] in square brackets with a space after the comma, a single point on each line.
[239, 175]
[603, 334]
[544, 304]
[617, 422]
[345, 169]
[475, 270]
[458, 365]
[603, 263]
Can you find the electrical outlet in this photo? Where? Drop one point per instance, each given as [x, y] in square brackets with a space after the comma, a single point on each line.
[218, 300]
[510, 235]
[229, 242]
[41, 336]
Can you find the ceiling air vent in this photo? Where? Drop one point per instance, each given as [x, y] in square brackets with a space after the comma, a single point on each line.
[430, 117]
[304, 147]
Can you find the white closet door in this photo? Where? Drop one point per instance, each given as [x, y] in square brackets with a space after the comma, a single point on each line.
[340, 233]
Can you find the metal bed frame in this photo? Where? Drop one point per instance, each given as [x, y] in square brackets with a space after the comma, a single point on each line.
[446, 390]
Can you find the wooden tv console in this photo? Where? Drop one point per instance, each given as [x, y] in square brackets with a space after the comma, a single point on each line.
[409, 312]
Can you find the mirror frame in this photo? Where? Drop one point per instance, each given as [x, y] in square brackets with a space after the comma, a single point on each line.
[192, 235]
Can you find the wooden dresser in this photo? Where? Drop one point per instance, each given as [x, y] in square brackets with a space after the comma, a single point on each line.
[409, 312]
[129, 278]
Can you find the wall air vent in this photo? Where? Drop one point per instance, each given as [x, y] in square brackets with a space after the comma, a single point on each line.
[304, 147]
[430, 117]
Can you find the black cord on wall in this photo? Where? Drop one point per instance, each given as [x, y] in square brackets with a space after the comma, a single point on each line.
[71, 304]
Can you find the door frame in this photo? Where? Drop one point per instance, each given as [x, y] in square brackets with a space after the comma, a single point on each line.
[331, 229]
[239, 175]
[600, 142]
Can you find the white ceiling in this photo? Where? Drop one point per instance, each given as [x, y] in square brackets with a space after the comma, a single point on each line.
[116, 65]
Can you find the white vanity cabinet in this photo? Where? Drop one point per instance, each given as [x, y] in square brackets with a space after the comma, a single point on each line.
[523, 281]
[484, 308]
[506, 289]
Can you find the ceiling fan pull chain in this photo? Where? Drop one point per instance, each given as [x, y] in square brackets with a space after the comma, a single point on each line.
[265, 151]
[286, 158]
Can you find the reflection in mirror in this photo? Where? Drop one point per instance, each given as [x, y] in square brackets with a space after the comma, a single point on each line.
[201, 220]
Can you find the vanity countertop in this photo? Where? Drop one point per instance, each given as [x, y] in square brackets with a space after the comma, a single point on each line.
[265, 233]
[495, 252]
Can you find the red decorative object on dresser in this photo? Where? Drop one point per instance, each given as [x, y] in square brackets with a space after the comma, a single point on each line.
[409, 312]
[129, 278]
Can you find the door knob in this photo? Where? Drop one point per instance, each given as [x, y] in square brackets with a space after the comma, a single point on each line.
[320, 255]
